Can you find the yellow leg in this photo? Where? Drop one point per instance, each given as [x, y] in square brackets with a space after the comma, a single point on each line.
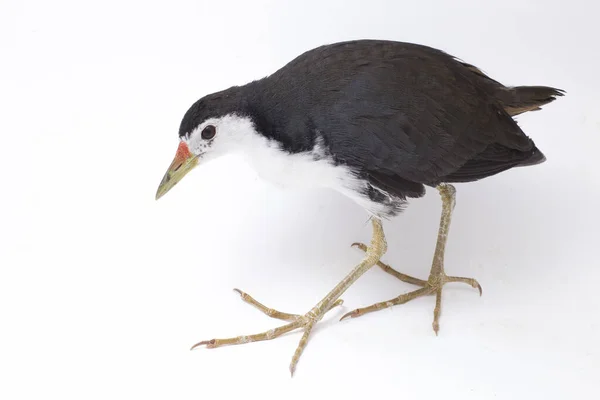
[307, 321]
[437, 276]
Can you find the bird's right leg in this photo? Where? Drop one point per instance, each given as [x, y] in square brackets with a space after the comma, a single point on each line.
[437, 277]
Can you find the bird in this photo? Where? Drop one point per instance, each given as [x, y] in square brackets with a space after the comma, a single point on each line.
[378, 121]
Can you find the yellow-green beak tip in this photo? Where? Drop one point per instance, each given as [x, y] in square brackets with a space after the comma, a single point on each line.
[183, 163]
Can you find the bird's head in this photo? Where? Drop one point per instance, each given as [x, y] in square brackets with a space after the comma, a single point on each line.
[213, 126]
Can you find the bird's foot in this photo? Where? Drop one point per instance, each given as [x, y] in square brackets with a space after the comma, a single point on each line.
[435, 283]
[305, 322]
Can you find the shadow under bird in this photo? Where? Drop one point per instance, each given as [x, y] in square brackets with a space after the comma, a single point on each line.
[376, 121]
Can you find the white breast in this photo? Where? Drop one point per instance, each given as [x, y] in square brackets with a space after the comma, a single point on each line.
[312, 169]
[301, 170]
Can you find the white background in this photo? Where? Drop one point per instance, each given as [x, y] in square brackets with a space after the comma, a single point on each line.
[103, 289]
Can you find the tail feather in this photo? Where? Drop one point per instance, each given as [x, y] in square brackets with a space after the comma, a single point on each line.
[519, 99]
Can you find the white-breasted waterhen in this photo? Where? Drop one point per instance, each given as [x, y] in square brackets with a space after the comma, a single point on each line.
[377, 121]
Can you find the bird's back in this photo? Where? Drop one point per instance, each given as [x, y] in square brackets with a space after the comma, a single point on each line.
[403, 115]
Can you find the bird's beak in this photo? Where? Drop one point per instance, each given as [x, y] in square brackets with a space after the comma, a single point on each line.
[183, 163]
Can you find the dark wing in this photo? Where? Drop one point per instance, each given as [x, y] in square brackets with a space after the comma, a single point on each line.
[411, 116]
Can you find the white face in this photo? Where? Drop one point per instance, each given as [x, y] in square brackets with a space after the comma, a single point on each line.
[219, 136]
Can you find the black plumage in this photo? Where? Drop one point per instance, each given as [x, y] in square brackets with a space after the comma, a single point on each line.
[401, 115]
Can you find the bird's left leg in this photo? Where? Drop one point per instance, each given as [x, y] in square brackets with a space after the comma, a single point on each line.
[307, 321]
[437, 276]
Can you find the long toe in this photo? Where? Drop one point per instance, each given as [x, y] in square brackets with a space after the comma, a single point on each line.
[469, 281]
[386, 268]
[243, 339]
[403, 298]
[434, 286]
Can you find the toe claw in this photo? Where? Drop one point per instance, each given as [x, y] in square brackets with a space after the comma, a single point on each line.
[207, 343]
[350, 314]
[478, 287]
[361, 246]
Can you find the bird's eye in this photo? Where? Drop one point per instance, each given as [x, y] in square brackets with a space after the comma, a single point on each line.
[208, 132]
